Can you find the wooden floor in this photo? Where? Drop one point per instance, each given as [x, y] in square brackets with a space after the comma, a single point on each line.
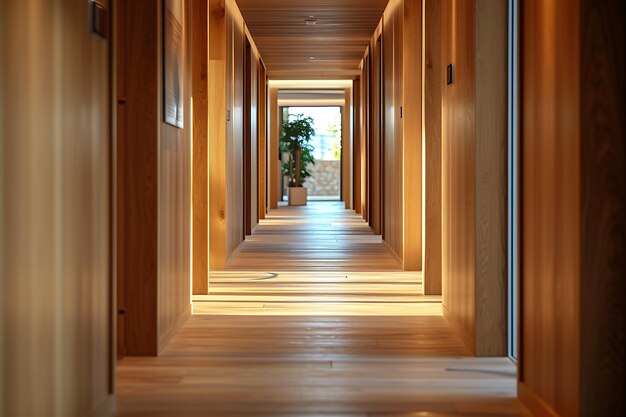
[321, 236]
[274, 341]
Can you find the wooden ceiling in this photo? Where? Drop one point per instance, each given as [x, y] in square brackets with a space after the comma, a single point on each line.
[336, 42]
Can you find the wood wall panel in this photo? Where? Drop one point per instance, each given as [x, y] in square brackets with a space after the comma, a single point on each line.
[56, 270]
[272, 153]
[227, 48]
[200, 190]
[174, 200]
[491, 176]
[412, 134]
[356, 151]
[346, 150]
[392, 179]
[137, 162]
[155, 187]
[551, 214]
[375, 139]
[217, 135]
[458, 168]
[432, 84]
[603, 208]
[574, 191]
[474, 172]
[262, 144]
[393, 143]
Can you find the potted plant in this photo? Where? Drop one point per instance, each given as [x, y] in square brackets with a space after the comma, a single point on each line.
[294, 143]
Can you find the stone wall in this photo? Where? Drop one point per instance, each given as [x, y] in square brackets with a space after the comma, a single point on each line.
[325, 179]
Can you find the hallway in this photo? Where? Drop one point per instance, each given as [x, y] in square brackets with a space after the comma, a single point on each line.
[472, 261]
[290, 339]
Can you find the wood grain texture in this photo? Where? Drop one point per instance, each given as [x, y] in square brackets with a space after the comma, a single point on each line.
[138, 184]
[320, 236]
[346, 150]
[356, 141]
[273, 157]
[375, 139]
[200, 190]
[574, 181]
[262, 144]
[226, 364]
[56, 154]
[432, 86]
[491, 177]
[217, 134]
[603, 208]
[287, 43]
[174, 198]
[155, 187]
[550, 259]
[411, 122]
[473, 172]
[392, 160]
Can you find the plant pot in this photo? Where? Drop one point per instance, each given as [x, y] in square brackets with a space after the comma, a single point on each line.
[297, 196]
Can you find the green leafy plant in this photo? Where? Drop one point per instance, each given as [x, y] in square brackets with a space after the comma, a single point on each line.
[295, 136]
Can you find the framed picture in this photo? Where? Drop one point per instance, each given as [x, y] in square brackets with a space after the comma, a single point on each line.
[173, 62]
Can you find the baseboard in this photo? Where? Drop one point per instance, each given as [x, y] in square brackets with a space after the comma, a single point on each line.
[106, 408]
[466, 338]
[165, 338]
[533, 402]
[393, 252]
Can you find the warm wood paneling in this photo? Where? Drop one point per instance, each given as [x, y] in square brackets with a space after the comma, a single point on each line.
[174, 199]
[603, 208]
[200, 190]
[287, 43]
[346, 150]
[137, 164]
[262, 142]
[474, 172]
[273, 157]
[55, 212]
[375, 137]
[433, 75]
[155, 186]
[411, 115]
[228, 111]
[356, 143]
[392, 161]
[574, 191]
[391, 71]
[491, 177]
[217, 134]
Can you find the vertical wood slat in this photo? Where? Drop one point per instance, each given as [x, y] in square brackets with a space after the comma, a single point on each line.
[346, 150]
[432, 85]
[356, 154]
[200, 73]
[411, 123]
[474, 172]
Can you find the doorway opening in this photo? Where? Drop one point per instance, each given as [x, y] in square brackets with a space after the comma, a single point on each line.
[324, 184]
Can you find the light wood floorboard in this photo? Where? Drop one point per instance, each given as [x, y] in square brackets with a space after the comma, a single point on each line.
[269, 341]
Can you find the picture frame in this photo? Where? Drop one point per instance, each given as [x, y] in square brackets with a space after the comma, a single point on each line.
[173, 36]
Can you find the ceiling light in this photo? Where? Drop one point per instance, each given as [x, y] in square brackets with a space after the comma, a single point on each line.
[310, 22]
[311, 57]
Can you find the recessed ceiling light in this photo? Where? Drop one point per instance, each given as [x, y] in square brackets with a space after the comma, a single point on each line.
[310, 22]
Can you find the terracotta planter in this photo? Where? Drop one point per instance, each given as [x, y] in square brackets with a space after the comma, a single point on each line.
[297, 196]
